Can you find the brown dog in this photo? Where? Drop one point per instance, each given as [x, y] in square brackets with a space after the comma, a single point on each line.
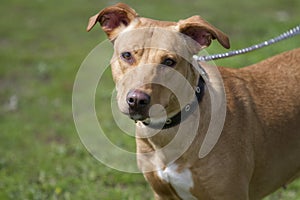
[258, 149]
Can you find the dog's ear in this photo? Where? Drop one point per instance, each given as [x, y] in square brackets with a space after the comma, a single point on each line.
[202, 32]
[113, 19]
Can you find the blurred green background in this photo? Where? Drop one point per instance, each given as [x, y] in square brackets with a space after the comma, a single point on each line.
[42, 45]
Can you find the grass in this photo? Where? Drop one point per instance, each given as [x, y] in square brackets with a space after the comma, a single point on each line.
[42, 44]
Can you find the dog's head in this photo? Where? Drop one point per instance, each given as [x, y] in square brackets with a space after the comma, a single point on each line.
[152, 62]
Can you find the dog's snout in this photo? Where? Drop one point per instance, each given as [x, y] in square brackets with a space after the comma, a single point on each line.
[137, 99]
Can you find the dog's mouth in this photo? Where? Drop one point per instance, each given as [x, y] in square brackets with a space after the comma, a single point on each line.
[148, 119]
[154, 114]
[138, 116]
[140, 106]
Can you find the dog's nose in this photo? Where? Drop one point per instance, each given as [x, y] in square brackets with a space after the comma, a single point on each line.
[137, 99]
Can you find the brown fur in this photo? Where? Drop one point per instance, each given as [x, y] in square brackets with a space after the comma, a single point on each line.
[258, 150]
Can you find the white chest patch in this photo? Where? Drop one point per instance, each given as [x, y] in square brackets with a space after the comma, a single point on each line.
[182, 182]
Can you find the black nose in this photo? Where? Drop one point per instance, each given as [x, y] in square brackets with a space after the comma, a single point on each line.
[137, 99]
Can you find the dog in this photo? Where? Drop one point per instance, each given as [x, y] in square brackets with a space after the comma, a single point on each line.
[258, 149]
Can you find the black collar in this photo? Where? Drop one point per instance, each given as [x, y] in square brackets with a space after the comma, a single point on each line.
[184, 113]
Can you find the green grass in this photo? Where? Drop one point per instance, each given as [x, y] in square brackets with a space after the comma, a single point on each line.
[42, 45]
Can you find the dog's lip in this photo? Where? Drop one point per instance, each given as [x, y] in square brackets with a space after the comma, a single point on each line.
[143, 116]
[137, 117]
[147, 120]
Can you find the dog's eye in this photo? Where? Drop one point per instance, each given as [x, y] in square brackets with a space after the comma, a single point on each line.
[169, 62]
[127, 56]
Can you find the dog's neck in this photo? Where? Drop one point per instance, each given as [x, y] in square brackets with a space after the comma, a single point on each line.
[161, 147]
[192, 131]
[160, 126]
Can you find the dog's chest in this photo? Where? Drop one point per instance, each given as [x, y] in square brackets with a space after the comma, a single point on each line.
[181, 181]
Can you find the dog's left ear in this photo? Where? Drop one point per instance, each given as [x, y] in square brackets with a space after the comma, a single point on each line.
[202, 32]
[113, 19]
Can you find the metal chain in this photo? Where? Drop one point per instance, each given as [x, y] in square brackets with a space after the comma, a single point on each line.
[292, 32]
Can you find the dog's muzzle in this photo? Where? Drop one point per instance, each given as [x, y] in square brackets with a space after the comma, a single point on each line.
[138, 103]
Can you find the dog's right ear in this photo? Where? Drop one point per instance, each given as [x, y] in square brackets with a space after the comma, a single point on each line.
[113, 19]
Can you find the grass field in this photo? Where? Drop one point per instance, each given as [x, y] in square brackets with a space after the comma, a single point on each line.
[42, 45]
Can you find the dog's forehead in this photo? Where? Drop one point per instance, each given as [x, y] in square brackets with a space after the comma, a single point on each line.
[167, 39]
